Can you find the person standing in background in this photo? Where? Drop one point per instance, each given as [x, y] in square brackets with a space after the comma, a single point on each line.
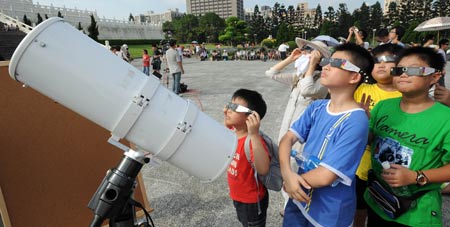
[396, 34]
[175, 65]
[283, 50]
[443, 46]
[145, 62]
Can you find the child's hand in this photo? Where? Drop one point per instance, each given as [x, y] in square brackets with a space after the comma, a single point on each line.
[365, 104]
[442, 95]
[398, 176]
[294, 186]
[253, 122]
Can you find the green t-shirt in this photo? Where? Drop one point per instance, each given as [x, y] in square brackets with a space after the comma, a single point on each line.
[418, 141]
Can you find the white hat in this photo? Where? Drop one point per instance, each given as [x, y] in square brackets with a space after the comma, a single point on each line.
[317, 45]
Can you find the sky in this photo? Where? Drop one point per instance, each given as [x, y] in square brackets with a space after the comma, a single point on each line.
[121, 9]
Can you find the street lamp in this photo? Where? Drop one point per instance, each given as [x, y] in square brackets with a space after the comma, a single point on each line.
[305, 34]
[373, 36]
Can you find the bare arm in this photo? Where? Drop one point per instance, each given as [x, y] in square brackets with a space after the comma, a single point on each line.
[398, 175]
[260, 156]
[293, 183]
[350, 33]
[320, 177]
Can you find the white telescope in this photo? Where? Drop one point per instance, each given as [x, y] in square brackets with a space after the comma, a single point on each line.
[65, 65]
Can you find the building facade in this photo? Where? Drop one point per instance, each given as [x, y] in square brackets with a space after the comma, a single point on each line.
[158, 18]
[387, 3]
[223, 8]
[108, 28]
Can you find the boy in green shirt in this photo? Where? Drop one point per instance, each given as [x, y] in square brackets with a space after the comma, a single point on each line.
[412, 133]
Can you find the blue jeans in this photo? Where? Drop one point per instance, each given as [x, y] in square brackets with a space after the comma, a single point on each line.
[146, 70]
[176, 82]
[294, 217]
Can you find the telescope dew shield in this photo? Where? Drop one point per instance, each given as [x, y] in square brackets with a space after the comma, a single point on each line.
[67, 66]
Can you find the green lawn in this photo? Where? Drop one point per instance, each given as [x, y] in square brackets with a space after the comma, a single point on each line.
[136, 50]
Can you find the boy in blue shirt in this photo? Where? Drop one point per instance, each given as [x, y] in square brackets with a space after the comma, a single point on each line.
[335, 131]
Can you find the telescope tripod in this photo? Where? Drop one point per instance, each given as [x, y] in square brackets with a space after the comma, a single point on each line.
[113, 198]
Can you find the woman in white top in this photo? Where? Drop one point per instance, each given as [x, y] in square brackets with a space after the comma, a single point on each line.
[304, 84]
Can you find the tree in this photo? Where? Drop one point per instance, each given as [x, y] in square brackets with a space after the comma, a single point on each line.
[60, 15]
[131, 18]
[258, 25]
[26, 21]
[275, 19]
[291, 16]
[79, 27]
[376, 16]
[330, 15]
[329, 26]
[283, 34]
[235, 31]
[211, 25]
[344, 20]
[440, 8]
[93, 29]
[316, 26]
[361, 17]
[392, 14]
[39, 19]
[186, 28]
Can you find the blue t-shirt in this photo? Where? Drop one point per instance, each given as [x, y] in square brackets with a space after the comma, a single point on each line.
[332, 206]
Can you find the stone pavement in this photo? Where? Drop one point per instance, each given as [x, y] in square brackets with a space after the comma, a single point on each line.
[182, 200]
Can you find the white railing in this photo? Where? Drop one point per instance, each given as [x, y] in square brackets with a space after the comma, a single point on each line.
[14, 22]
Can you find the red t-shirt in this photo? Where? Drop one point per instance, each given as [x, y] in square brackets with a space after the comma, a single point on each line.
[241, 176]
[146, 60]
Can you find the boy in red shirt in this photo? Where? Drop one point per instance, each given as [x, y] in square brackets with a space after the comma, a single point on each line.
[250, 198]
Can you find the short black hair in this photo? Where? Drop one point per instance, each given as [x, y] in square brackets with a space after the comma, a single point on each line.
[428, 55]
[254, 100]
[400, 31]
[172, 42]
[383, 32]
[363, 33]
[359, 56]
[394, 49]
[443, 41]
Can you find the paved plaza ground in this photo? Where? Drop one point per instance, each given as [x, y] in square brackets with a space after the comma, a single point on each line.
[182, 200]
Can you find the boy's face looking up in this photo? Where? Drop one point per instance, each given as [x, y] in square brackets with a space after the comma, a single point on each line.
[414, 85]
[334, 76]
[382, 68]
[235, 118]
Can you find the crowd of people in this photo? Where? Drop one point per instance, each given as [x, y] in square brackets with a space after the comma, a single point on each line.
[8, 27]
[375, 118]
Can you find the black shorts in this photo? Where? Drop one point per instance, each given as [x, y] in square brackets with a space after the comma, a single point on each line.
[361, 186]
[247, 213]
